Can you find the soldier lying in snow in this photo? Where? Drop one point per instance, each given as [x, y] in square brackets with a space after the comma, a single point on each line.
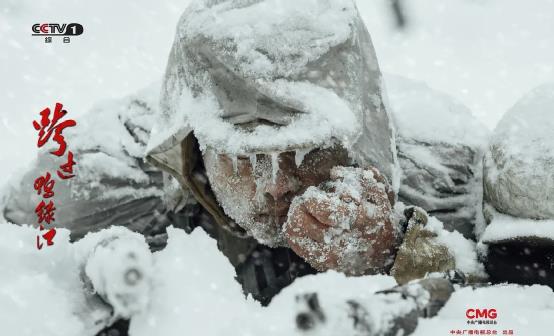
[276, 142]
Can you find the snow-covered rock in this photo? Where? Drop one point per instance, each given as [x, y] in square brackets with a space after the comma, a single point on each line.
[519, 164]
[440, 146]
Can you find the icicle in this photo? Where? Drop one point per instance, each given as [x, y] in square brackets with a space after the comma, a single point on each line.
[253, 161]
[274, 166]
[235, 164]
[260, 186]
[299, 156]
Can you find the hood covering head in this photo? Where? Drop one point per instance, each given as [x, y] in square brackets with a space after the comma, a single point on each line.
[260, 76]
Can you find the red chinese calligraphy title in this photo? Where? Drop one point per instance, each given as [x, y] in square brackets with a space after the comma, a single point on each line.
[51, 127]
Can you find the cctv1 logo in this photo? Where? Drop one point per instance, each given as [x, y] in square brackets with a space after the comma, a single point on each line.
[481, 313]
[56, 29]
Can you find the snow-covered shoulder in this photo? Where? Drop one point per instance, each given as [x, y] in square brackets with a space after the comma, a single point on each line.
[427, 115]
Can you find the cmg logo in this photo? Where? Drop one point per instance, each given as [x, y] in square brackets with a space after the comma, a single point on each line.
[481, 313]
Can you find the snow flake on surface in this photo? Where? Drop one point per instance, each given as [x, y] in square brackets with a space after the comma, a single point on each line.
[359, 232]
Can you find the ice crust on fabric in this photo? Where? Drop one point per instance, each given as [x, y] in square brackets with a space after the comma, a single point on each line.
[440, 147]
[108, 145]
[267, 39]
[301, 78]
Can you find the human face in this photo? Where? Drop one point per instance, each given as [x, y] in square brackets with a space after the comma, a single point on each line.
[256, 190]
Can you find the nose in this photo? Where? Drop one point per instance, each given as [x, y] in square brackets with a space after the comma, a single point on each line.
[284, 183]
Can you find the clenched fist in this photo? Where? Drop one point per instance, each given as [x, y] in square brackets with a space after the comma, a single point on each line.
[345, 224]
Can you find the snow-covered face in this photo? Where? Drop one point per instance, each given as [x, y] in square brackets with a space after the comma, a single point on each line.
[256, 190]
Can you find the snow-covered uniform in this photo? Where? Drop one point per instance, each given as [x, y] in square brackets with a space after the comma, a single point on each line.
[309, 67]
[114, 186]
[212, 86]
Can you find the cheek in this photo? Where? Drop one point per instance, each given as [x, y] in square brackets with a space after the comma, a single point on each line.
[223, 177]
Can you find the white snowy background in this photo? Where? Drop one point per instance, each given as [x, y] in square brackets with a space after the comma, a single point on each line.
[485, 53]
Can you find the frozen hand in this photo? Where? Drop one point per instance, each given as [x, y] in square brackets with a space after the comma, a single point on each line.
[345, 224]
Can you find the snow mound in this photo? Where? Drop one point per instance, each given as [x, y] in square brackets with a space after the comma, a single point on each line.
[526, 129]
[40, 290]
[520, 160]
[194, 291]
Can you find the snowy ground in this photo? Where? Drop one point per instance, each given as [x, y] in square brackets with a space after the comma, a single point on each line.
[485, 53]
[195, 293]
